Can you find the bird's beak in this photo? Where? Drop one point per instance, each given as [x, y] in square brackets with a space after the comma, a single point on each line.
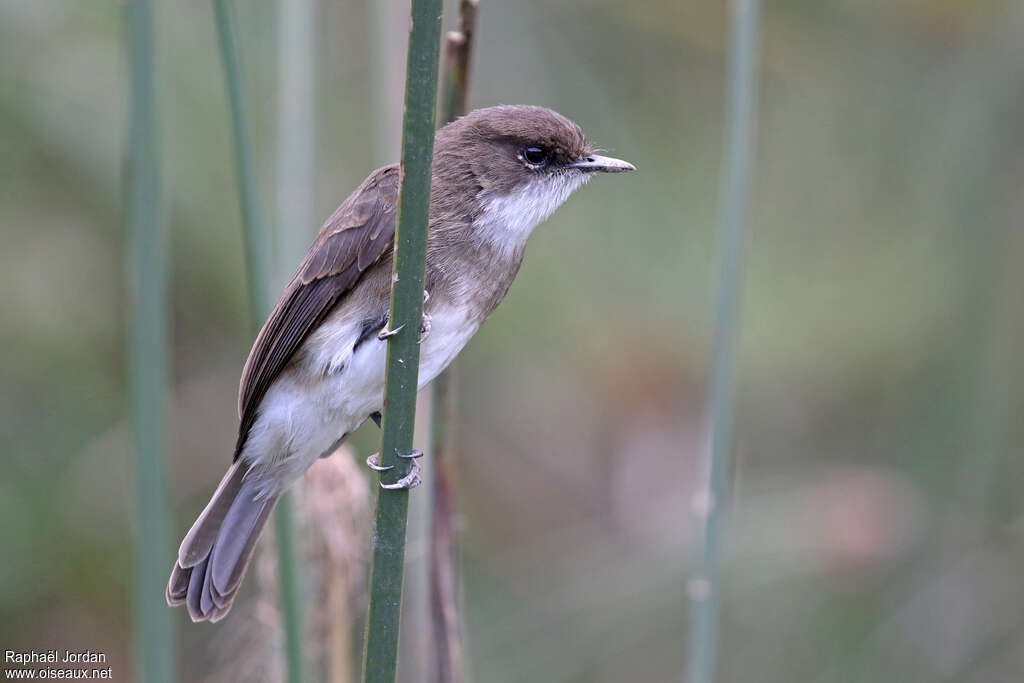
[595, 162]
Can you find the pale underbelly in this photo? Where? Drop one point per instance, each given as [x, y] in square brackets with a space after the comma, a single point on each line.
[305, 413]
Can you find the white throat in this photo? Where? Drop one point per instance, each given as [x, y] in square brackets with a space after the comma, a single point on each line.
[507, 220]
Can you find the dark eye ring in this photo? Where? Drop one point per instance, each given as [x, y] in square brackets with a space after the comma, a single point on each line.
[535, 155]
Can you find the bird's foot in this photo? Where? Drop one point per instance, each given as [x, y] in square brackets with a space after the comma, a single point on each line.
[410, 480]
[424, 328]
[373, 462]
[388, 332]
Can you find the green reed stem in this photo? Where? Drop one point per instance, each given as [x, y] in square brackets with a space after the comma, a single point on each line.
[738, 151]
[258, 274]
[443, 568]
[154, 634]
[386, 570]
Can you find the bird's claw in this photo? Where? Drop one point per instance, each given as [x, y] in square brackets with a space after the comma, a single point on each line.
[410, 480]
[373, 462]
[386, 332]
[424, 328]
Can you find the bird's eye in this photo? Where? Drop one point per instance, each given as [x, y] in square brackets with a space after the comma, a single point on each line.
[535, 155]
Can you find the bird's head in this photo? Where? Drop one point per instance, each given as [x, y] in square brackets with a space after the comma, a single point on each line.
[518, 163]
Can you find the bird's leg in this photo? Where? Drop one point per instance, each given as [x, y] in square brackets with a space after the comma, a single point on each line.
[386, 331]
[410, 480]
[373, 462]
[425, 326]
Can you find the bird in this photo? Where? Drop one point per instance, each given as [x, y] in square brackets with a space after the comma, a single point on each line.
[316, 369]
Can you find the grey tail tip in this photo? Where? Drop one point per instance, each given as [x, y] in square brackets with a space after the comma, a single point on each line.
[216, 551]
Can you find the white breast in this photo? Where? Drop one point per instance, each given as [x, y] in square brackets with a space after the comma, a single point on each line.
[451, 328]
[507, 220]
[312, 405]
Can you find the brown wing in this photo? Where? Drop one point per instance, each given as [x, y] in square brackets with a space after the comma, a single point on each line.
[359, 233]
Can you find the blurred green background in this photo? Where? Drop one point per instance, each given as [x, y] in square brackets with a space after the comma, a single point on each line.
[877, 527]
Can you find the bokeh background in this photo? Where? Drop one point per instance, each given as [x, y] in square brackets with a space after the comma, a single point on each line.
[876, 532]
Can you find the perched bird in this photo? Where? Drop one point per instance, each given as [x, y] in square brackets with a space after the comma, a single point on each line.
[316, 370]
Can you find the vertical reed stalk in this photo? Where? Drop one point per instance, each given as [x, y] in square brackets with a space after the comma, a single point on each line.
[295, 222]
[738, 150]
[258, 274]
[458, 59]
[385, 51]
[257, 261]
[154, 635]
[444, 575]
[291, 599]
[296, 133]
[381, 655]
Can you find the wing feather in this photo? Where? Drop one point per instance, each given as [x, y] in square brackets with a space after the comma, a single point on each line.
[356, 236]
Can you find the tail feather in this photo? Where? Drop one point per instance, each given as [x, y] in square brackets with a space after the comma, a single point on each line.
[206, 605]
[231, 552]
[193, 601]
[200, 538]
[177, 586]
[216, 551]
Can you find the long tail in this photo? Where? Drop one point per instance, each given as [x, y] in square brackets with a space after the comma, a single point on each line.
[215, 553]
